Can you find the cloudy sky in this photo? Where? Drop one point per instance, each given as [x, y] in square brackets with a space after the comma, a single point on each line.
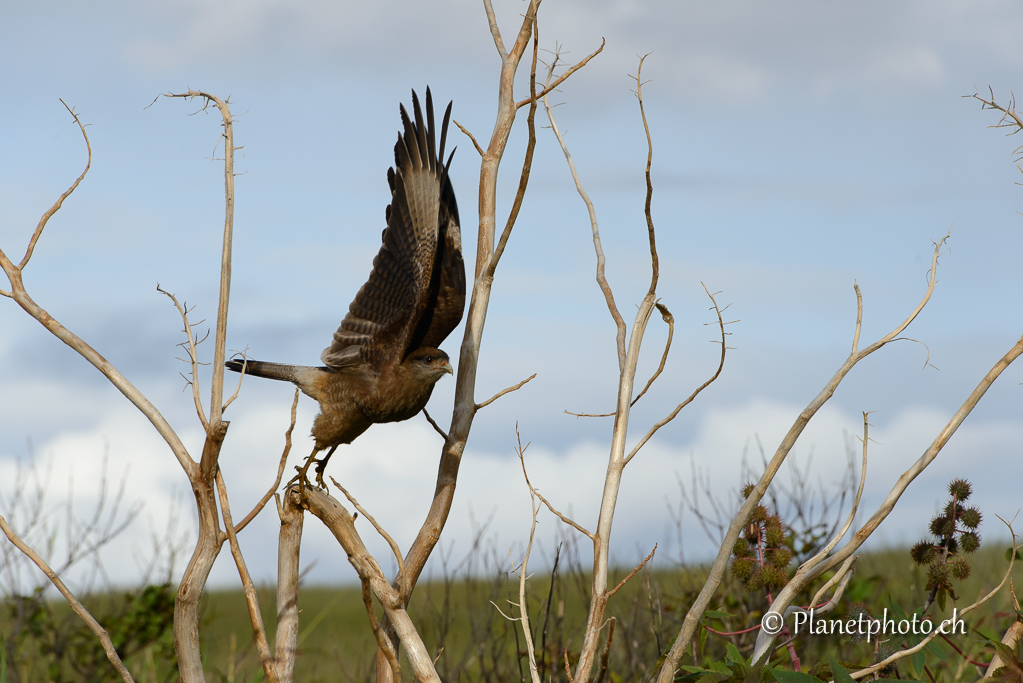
[799, 147]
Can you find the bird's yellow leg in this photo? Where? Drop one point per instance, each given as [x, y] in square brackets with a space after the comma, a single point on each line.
[302, 478]
[321, 465]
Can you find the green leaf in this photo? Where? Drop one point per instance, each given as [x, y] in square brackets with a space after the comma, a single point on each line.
[941, 600]
[1009, 553]
[733, 655]
[785, 676]
[917, 659]
[714, 677]
[897, 611]
[839, 671]
[933, 648]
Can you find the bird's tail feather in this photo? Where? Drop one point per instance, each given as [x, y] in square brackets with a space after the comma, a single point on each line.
[257, 368]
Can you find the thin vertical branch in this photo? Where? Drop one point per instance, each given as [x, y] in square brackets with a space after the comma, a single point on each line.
[289, 547]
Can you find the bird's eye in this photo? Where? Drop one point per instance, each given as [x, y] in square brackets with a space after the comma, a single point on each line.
[428, 360]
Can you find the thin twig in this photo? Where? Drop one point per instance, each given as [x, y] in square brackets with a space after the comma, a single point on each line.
[654, 268]
[193, 356]
[251, 597]
[436, 426]
[572, 523]
[56, 205]
[632, 573]
[383, 642]
[721, 364]
[280, 470]
[466, 131]
[503, 392]
[527, 632]
[550, 87]
[380, 530]
[79, 609]
[667, 317]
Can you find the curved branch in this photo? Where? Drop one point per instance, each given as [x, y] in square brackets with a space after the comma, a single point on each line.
[57, 204]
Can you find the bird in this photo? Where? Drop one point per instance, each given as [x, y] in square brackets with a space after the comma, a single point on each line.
[384, 359]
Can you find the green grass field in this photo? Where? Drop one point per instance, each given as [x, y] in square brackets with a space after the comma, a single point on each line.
[473, 642]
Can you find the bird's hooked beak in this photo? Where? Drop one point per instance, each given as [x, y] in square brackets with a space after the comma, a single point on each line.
[447, 368]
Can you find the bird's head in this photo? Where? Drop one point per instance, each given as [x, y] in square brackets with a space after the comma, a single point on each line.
[429, 364]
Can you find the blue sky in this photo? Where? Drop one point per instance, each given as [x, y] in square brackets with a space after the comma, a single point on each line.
[799, 146]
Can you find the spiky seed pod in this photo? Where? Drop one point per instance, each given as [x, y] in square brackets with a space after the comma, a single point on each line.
[942, 526]
[960, 568]
[953, 545]
[952, 508]
[773, 522]
[856, 611]
[752, 533]
[742, 567]
[748, 489]
[937, 576]
[775, 537]
[883, 652]
[922, 552]
[971, 518]
[780, 557]
[755, 582]
[960, 488]
[771, 577]
[741, 548]
[760, 515]
[970, 541]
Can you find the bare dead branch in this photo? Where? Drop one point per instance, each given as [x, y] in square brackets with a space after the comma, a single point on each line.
[470, 136]
[721, 364]
[572, 523]
[495, 31]
[962, 613]
[251, 598]
[380, 530]
[527, 163]
[443, 434]
[340, 523]
[76, 606]
[654, 268]
[598, 248]
[805, 574]
[632, 573]
[238, 387]
[280, 470]
[383, 642]
[504, 391]
[522, 605]
[667, 317]
[549, 87]
[217, 400]
[56, 205]
[289, 546]
[1012, 636]
[193, 358]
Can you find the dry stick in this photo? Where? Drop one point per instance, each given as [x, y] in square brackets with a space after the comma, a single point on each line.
[217, 408]
[598, 248]
[465, 405]
[1011, 637]
[251, 597]
[549, 87]
[193, 357]
[632, 573]
[210, 539]
[289, 546]
[280, 470]
[966, 610]
[380, 530]
[567, 520]
[805, 574]
[667, 317]
[78, 608]
[616, 459]
[443, 434]
[523, 607]
[717, 571]
[470, 136]
[57, 204]
[336, 518]
[717, 373]
[607, 651]
[383, 642]
[503, 392]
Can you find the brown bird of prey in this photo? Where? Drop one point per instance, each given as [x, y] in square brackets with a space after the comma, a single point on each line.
[384, 360]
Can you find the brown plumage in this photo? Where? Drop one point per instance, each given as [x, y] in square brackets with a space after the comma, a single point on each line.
[384, 360]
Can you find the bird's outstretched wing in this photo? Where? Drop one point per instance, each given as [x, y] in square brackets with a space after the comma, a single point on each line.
[416, 292]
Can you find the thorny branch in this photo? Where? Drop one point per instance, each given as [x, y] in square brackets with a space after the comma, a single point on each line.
[190, 345]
